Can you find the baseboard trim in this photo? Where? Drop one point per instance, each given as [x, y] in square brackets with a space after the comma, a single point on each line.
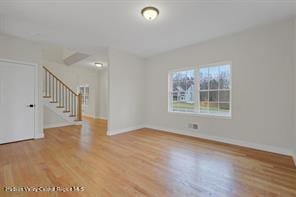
[95, 117]
[39, 136]
[61, 124]
[101, 118]
[119, 131]
[266, 148]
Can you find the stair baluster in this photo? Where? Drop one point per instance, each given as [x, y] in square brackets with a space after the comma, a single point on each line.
[49, 84]
[62, 95]
[45, 84]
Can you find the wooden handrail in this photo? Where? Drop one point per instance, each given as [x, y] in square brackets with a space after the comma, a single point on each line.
[62, 95]
[60, 81]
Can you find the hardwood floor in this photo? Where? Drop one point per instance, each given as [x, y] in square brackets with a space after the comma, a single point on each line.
[141, 163]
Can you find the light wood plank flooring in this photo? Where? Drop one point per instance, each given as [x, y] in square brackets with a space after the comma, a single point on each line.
[142, 163]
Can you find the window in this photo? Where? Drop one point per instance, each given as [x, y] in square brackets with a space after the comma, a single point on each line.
[183, 91]
[214, 91]
[84, 90]
[201, 90]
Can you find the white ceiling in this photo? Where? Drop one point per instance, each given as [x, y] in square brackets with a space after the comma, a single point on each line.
[94, 25]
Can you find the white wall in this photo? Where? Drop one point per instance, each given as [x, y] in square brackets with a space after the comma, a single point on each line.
[125, 92]
[51, 119]
[262, 88]
[102, 104]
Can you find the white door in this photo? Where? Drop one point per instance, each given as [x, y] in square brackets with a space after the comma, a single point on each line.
[17, 102]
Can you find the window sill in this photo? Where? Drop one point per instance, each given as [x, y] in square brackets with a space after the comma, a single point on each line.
[206, 115]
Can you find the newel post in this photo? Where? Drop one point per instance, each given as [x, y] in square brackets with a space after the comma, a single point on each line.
[79, 107]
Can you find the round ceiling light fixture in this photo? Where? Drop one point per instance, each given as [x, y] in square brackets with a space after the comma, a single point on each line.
[150, 13]
[99, 65]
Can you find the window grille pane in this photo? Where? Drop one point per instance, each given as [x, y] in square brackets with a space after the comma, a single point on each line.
[224, 107]
[204, 78]
[213, 107]
[214, 77]
[204, 96]
[213, 96]
[224, 96]
[224, 77]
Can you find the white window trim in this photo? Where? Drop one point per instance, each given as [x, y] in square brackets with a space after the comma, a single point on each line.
[197, 91]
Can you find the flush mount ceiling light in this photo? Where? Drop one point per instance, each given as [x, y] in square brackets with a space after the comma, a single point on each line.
[150, 13]
[99, 65]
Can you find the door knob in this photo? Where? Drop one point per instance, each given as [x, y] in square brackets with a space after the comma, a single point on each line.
[31, 105]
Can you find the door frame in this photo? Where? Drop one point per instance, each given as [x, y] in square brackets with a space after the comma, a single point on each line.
[37, 130]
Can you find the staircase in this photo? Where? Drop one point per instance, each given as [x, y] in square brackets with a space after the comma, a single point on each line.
[60, 98]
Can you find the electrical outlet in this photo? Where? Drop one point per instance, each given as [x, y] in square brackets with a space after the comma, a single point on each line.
[195, 126]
